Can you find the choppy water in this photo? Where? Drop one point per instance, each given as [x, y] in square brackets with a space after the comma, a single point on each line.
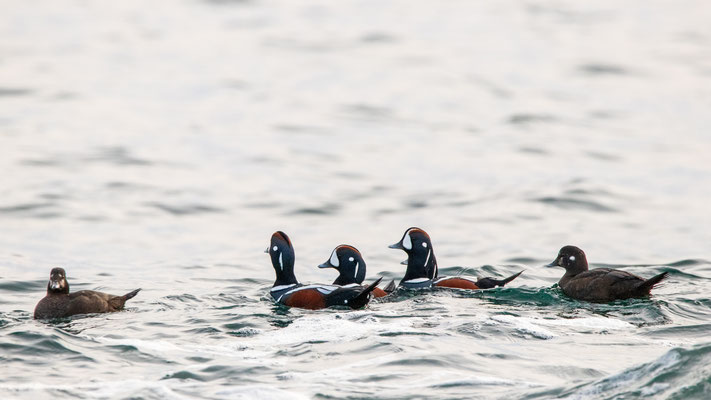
[159, 145]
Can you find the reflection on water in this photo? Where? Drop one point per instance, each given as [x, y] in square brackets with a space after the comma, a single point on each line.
[160, 147]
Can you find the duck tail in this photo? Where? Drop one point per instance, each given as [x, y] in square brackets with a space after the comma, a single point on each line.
[646, 286]
[390, 287]
[364, 296]
[488, 283]
[131, 295]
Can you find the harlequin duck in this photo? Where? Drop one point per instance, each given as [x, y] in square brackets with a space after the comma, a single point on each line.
[600, 285]
[288, 291]
[422, 266]
[59, 303]
[350, 265]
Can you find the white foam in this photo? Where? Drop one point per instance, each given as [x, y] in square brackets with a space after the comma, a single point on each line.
[654, 389]
[258, 392]
[525, 325]
[538, 326]
[163, 389]
[103, 389]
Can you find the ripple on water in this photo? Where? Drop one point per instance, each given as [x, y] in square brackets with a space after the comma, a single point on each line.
[33, 286]
[570, 203]
[603, 69]
[184, 209]
[15, 92]
[531, 118]
[43, 210]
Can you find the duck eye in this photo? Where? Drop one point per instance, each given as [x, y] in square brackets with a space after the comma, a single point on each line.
[275, 248]
[351, 259]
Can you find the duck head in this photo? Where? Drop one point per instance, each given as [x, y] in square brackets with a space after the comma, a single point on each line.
[421, 261]
[58, 282]
[349, 263]
[281, 252]
[572, 259]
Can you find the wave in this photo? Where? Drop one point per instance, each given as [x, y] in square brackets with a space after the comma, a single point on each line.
[681, 373]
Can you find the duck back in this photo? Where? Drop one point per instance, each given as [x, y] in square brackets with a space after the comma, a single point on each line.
[81, 302]
[605, 284]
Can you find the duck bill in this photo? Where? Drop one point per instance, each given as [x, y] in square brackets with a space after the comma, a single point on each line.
[54, 285]
[553, 264]
[397, 246]
[326, 265]
[267, 250]
[403, 262]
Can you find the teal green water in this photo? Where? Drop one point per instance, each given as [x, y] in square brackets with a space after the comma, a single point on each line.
[160, 146]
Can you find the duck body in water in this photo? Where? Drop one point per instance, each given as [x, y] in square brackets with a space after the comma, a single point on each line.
[422, 271]
[59, 303]
[350, 265]
[599, 285]
[289, 292]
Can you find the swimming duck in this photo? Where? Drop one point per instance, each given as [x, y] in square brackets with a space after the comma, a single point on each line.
[59, 303]
[289, 292]
[422, 271]
[600, 285]
[350, 265]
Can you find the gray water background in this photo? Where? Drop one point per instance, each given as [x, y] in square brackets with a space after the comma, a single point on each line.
[159, 144]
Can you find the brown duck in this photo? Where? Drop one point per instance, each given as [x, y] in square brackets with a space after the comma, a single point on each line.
[600, 285]
[59, 303]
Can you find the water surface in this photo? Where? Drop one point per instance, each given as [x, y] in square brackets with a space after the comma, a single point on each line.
[160, 146]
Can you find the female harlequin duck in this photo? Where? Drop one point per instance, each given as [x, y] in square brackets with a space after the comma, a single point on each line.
[288, 291]
[600, 285]
[351, 268]
[422, 266]
[59, 303]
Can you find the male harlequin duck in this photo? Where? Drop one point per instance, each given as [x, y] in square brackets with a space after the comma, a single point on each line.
[288, 291]
[59, 303]
[351, 268]
[422, 266]
[600, 285]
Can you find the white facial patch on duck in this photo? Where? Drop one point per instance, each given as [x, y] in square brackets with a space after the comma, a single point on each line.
[351, 259]
[407, 241]
[356, 269]
[424, 244]
[571, 258]
[334, 259]
[281, 261]
[55, 285]
[428, 257]
[275, 248]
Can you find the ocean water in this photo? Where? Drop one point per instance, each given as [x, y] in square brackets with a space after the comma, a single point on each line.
[158, 145]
